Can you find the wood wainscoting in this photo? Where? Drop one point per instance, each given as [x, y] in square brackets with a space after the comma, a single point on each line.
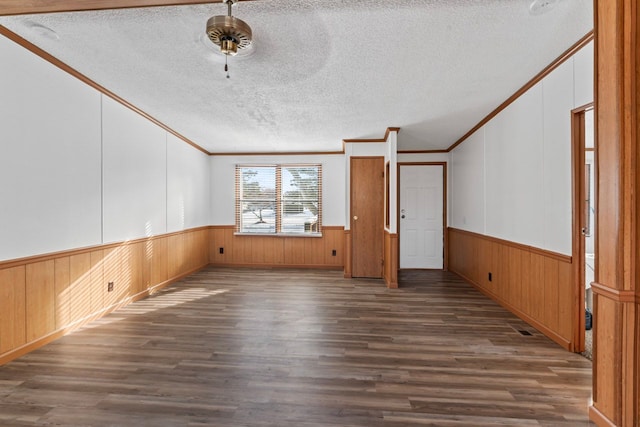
[391, 259]
[226, 248]
[535, 284]
[44, 297]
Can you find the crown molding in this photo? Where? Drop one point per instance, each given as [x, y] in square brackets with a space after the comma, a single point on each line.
[567, 54]
[75, 73]
[27, 7]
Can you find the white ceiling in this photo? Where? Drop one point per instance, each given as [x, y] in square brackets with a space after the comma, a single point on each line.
[319, 71]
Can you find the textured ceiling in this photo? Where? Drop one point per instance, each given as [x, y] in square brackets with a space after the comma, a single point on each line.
[319, 71]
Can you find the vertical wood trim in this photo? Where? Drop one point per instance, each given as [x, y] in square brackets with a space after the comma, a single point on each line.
[616, 379]
[387, 195]
[578, 243]
[445, 225]
[347, 253]
[391, 259]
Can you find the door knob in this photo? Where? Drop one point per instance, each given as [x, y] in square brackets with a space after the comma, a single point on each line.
[355, 217]
[402, 216]
[584, 231]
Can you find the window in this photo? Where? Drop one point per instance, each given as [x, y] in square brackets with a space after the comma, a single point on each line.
[278, 199]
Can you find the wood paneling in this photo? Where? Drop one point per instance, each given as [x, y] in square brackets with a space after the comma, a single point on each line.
[43, 297]
[13, 328]
[616, 379]
[294, 251]
[40, 299]
[534, 284]
[96, 280]
[607, 376]
[78, 297]
[62, 280]
[113, 267]
[334, 240]
[276, 251]
[157, 251]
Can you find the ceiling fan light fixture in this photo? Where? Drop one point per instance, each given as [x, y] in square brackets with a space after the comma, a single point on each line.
[229, 33]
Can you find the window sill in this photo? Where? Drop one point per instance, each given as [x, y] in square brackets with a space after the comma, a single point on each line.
[279, 234]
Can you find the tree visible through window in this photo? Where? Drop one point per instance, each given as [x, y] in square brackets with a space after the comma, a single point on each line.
[278, 199]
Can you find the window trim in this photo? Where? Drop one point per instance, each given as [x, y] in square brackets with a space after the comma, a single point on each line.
[278, 200]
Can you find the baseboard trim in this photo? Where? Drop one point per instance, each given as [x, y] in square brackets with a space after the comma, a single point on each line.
[599, 418]
[277, 266]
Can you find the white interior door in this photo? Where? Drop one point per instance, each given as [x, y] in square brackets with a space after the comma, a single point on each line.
[421, 216]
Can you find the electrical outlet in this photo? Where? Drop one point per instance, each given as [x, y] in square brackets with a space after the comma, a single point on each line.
[221, 250]
[334, 252]
[490, 276]
[109, 286]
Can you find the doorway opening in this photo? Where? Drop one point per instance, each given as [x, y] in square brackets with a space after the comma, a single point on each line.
[422, 215]
[585, 217]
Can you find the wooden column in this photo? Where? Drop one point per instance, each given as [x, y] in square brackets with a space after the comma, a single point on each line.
[616, 379]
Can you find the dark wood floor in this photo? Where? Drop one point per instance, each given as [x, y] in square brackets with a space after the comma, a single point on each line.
[232, 347]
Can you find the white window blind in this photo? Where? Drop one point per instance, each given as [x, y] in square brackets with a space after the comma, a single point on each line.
[273, 199]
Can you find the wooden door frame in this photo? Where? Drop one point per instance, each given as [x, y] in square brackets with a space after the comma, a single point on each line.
[350, 245]
[578, 195]
[445, 237]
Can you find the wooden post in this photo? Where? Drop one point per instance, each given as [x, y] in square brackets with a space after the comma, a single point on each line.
[616, 379]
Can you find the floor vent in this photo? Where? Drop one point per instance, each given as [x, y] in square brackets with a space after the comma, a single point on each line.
[526, 333]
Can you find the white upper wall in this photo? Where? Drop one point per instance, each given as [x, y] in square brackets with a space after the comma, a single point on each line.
[134, 170]
[188, 186]
[79, 169]
[513, 171]
[583, 67]
[49, 157]
[558, 101]
[223, 184]
[512, 178]
[467, 175]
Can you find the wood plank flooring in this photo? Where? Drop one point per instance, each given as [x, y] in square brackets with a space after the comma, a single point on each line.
[243, 347]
